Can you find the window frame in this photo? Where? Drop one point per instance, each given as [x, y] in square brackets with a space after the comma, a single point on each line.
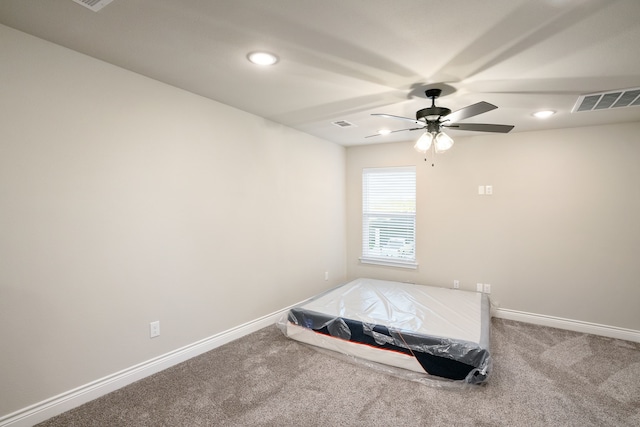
[404, 226]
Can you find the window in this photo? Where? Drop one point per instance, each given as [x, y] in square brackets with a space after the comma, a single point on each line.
[389, 216]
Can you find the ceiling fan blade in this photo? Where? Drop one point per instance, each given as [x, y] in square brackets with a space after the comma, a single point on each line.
[480, 127]
[393, 131]
[389, 116]
[470, 111]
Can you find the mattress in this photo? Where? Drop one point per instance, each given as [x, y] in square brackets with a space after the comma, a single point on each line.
[431, 332]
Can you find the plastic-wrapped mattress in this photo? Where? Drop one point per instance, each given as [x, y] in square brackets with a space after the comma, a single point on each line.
[429, 332]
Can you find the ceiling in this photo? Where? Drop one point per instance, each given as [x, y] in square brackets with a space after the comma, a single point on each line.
[342, 60]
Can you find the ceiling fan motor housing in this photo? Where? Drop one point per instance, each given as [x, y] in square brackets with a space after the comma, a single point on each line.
[432, 113]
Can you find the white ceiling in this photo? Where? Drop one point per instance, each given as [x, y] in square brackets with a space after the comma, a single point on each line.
[346, 59]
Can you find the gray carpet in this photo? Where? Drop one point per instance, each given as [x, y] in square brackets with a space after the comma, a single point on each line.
[541, 377]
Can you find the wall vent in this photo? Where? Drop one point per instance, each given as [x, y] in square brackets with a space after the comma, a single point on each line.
[606, 100]
[343, 124]
[94, 5]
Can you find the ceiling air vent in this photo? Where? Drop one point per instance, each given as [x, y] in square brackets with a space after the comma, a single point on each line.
[94, 5]
[605, 100]
[343, 124]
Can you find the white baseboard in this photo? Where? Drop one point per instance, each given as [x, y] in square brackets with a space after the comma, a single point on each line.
[66, 401]
[568, 324]
[63, 402]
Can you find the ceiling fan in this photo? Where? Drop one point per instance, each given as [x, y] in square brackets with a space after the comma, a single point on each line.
[433, 119]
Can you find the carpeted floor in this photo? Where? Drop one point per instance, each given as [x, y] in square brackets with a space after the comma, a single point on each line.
[541, 377]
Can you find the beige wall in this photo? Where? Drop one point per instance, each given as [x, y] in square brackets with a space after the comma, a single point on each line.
[560, 236]
[124, 201]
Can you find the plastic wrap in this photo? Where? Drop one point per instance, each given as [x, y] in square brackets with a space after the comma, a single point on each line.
[427, 334]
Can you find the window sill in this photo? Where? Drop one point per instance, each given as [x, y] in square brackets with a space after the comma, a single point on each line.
[390, 262]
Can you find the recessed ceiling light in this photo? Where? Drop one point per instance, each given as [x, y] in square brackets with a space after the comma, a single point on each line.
[262, 58]
[544, 114]
[384, 132]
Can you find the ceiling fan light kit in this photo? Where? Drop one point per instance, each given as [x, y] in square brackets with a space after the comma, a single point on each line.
[423, 144]
[432, 119]
[440, 140]
[443, 142]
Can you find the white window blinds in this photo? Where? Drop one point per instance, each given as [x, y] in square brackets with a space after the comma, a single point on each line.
[389, 215]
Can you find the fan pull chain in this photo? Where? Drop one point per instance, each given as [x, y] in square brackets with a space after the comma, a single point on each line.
[433, 155]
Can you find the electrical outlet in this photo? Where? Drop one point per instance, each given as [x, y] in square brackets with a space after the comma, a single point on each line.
[456, 284]
[326, 275]
[487, 288]
[488, 190]
[479, 287]
[154, 329]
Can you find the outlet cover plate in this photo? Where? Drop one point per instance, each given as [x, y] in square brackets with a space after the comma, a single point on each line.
[154, 329]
